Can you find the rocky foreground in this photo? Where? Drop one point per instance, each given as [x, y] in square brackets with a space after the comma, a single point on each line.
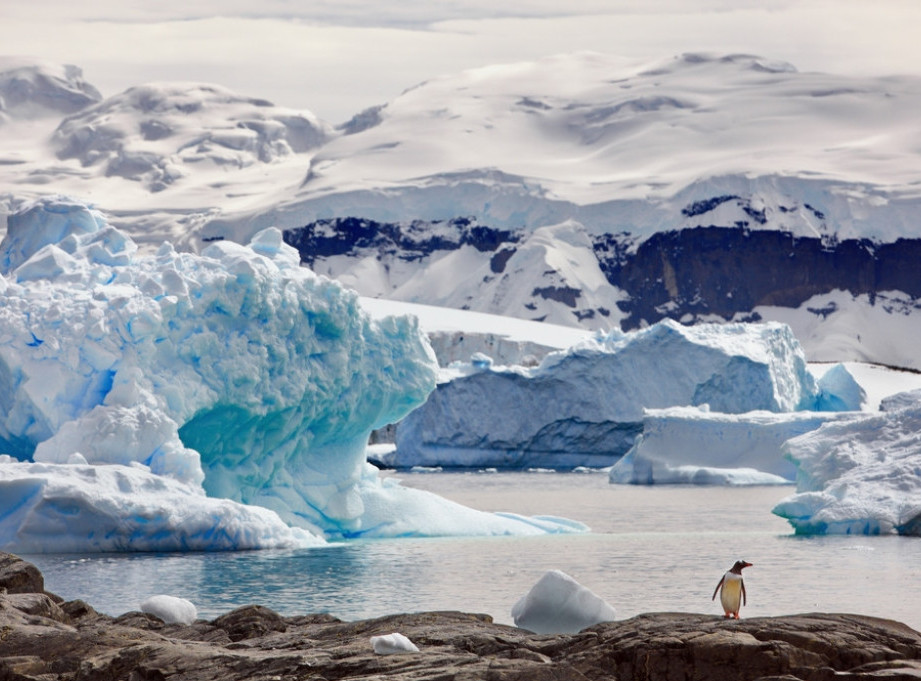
[43, 637]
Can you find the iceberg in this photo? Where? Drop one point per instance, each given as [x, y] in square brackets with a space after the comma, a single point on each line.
[689, 445]
[585, 406]
[861, 476]
[558, 604]
[900, 400]
[81, 508]
[840, 391]
[213, 401]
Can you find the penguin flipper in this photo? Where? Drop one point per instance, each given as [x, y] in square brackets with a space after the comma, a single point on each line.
[717, 590]
[744, 598]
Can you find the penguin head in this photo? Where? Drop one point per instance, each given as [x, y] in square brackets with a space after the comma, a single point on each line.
[739, 564]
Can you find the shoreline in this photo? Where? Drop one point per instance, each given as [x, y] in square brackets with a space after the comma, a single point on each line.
[44, 637]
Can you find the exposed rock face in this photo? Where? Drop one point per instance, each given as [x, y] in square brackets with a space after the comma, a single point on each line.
[714, 270]
[728, 270]
[42, 638]
[411, 241]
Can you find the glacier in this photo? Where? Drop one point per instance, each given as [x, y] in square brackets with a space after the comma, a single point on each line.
[213, 401]
[861, 476]
[584, 406]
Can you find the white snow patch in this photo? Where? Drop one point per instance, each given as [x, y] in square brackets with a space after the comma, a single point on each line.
[393, 644]
[170, 609]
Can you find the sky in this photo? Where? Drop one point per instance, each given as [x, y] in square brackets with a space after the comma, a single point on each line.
[339, 57]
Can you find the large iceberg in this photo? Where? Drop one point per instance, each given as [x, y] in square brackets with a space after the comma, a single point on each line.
[690, 445]
[154, 402]
[861, 476]
[585, 406]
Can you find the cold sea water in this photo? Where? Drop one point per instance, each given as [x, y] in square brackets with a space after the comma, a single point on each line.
[659, 548]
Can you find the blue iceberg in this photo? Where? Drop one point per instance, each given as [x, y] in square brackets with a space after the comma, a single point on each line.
[586, 405]
[219, 400]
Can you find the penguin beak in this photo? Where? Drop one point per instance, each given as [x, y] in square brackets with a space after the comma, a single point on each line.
[748, 565]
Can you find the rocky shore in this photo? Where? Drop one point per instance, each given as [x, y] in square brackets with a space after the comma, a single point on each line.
[44, 638]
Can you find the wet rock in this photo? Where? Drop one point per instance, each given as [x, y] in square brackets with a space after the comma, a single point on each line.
[18, 576]
[250, 621]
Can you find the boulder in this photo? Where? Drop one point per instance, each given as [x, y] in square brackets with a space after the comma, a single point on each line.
[18, 576]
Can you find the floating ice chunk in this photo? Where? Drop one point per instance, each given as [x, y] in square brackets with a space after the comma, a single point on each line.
[686, 445]
[60, 508]
[236, 368]
[170, 609]
[392, 644]
[858, 477]
[392, 510]
[558, 604]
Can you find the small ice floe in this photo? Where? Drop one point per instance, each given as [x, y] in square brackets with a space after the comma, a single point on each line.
[558, 604]
[170, 609]
[392, 644]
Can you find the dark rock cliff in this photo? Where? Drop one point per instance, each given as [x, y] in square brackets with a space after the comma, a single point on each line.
[682, 274]
[724, 271]
[408, 241]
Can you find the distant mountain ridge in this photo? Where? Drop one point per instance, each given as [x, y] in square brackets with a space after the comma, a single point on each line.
[569, 189]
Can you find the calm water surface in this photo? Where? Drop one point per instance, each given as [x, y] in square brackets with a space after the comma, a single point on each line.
[659, 548]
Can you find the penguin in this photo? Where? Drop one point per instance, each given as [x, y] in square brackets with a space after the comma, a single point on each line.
[732, 589]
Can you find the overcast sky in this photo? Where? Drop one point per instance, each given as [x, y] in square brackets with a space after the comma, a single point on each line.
[337, 57]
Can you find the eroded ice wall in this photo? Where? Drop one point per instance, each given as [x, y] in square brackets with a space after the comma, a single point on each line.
[236, 369]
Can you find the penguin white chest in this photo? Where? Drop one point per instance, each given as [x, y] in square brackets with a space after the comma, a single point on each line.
[731, 593]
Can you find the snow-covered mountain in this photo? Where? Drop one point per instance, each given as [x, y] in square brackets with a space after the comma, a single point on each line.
[156, 134]
[699, 188]
[35, 90]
